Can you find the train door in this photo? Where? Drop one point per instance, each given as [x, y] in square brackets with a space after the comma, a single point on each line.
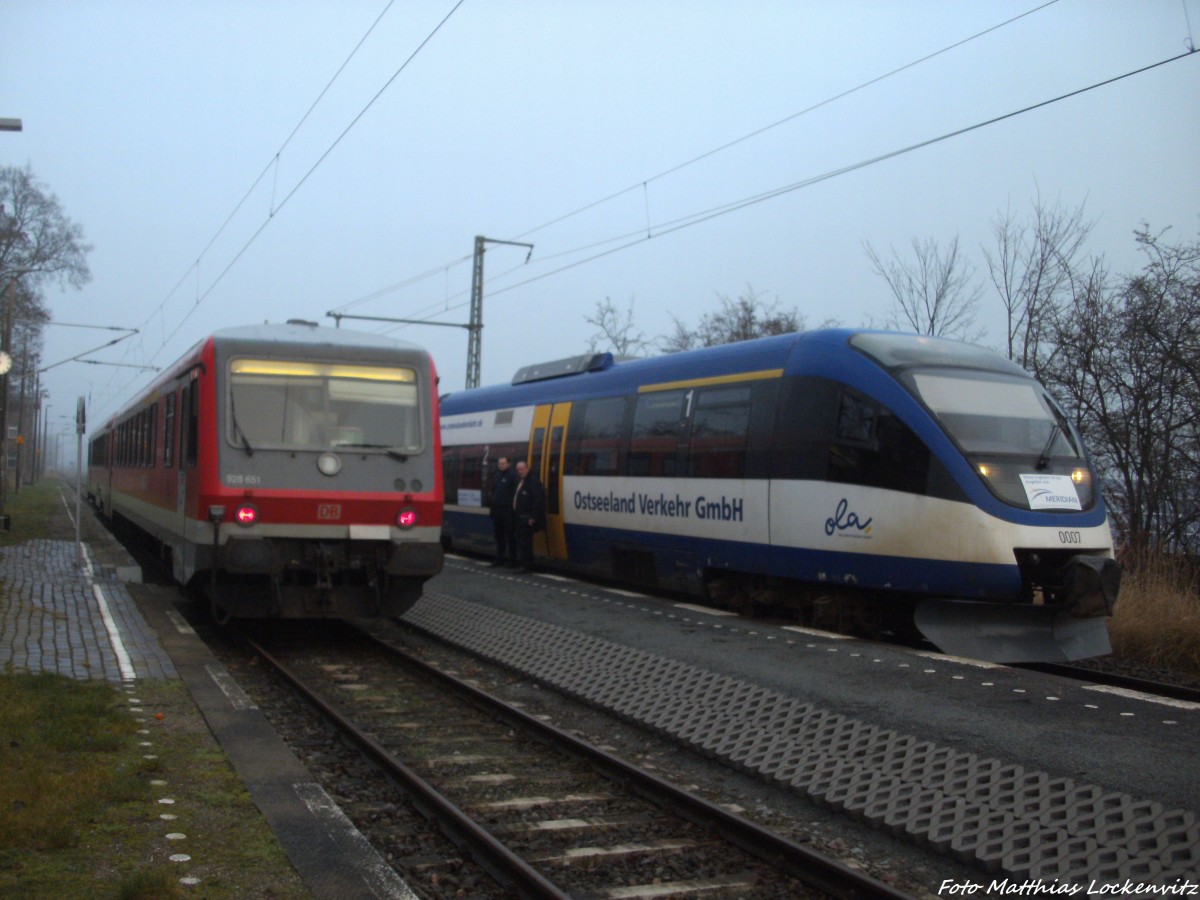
[546, 459]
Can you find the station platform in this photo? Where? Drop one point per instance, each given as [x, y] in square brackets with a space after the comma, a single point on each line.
[66, 608]
[71, 609]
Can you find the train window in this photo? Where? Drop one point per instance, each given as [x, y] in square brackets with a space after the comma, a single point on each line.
[470, 475]
[856, 419]
[829, 432]
[874, 448]
[149, 435]
[191, 422]
[169, 430]
[720, 425]
[553, 479]
[492, 454]
[996, 414]
[450, 460]
[596, 431]
[658, 420]
[535, 458]
[311, 406]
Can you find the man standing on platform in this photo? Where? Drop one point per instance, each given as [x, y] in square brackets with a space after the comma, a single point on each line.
[529, 509]
[503, 490]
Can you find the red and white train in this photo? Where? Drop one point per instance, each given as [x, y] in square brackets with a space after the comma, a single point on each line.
[292, 470]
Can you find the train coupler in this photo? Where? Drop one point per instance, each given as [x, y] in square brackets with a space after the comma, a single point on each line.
[1090, 585]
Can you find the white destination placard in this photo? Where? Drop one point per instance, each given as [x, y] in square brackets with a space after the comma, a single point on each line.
[1051, 492]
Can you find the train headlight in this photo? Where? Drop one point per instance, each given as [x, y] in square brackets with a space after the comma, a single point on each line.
[406, 518]
[985, 471]
[246, 514]
[1079, 476]
[329, 464]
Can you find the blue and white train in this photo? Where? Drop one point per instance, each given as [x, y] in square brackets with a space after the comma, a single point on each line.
[859, 477]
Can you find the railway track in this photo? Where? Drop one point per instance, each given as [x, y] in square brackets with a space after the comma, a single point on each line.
[545, 814]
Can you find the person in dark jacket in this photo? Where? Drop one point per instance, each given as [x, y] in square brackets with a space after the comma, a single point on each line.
[503, 489]
[529, 511]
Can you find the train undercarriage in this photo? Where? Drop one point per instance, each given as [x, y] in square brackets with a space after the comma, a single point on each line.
[292, 578]
[1063, 616]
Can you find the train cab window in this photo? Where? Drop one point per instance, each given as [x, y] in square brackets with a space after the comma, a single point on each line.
[596, 439]
[827, 431]
[720, 427]
[658, 421]
[873, 447]
[856, 419]
[283, 404]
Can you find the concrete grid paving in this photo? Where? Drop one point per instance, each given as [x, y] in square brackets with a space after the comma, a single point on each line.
[987, 812]
[56, 616]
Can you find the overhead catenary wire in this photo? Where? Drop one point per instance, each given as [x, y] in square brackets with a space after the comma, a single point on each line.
[644, 183]
[616, 243]
[304, 178]
[273, 163]
[275, 208]
[634, 238]
[789, 118]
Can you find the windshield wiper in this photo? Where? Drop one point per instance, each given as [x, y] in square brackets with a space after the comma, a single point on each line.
[237, 429]
[1044, 457]
[391, 451]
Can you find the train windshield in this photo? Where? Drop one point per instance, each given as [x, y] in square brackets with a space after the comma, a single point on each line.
[993, 414]
[279, 404]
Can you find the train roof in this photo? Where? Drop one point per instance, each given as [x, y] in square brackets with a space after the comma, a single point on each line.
[258, 337]
[310, 334]
[607, 375]
[595, 374]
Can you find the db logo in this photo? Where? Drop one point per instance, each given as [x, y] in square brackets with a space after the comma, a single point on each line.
[329, 511]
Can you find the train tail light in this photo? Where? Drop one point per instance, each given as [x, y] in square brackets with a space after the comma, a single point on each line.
[246, 514]
[406, 518]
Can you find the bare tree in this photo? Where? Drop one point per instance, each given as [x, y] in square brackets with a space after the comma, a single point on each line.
[934, 294]
[743, 319]
[616, 330]
[1125, 359]
[37, 243]
[1032, 266]
[36, 237]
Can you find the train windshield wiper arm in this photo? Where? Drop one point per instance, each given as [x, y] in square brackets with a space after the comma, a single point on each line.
[237, 429]
[1044, 457]
[391, 451]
